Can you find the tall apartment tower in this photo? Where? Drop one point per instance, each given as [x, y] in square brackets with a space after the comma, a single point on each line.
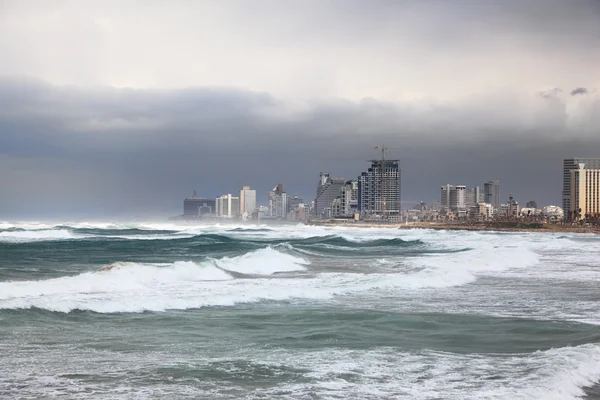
[454, 197]
[247, 200]
[584, 194]
[278, 202]
[227, 206]
[328, 189]
[350, 198]
[478, 195]
[491, 193]
[445, 197]
[379, 189]
[569, 165]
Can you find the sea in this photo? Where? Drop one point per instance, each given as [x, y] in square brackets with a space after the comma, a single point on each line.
[161, 310]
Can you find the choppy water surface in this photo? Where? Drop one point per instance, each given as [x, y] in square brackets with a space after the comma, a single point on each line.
[102, 310]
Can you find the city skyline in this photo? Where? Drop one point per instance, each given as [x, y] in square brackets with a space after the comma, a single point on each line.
[105, 116]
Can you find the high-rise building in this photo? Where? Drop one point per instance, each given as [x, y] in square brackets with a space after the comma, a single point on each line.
[227, 206]
[445, 197]
[327, 190]
[278, 202]
[584, 193]
[569, 165]
[349, 198]
[491, 193]
[454, 197]
[379, 190]
[247, 201]
[478, 194]
[293, 203]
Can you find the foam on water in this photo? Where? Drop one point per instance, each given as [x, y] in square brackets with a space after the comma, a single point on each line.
[37, 235]
[493, 276]
[262, 262]
[133, 287]
[385, 372]
[130, 287]
[555, 374]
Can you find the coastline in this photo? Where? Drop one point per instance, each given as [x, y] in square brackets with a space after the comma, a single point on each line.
[488, 227]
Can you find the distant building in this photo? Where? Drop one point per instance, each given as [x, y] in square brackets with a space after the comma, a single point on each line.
[491, 193]
[510, 209]
[295, 207]
[349, 198]
[584, 197]
[481, 211]
[303, 213]
[261, 212]
[278, 202]
[327, 190]
[473, 196]
[379, 190]
[454, 198]
[478, 195]
[227, 206]
[569, 165]
[293, 203]
[553, 212]
[531, 204]
[247, 202]
[335, 210]
[529, 212]
[198, 207]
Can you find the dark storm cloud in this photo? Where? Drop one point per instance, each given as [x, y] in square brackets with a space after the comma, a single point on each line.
[579, 90]
[105, 151]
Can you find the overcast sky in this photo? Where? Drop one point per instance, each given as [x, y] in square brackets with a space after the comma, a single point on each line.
[123, 108]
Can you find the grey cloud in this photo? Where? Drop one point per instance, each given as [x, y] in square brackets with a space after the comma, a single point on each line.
[579, 90]
[104, 151]
[548, 94]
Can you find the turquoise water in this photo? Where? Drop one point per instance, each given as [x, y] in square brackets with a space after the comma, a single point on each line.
[136, 311]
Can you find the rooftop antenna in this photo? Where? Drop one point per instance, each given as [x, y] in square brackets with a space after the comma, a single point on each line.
[382, 180]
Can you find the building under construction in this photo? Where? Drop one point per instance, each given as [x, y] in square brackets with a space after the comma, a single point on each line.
[379, 190]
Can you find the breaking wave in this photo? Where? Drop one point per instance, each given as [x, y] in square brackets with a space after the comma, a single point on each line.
[135, 287]
[18, 236]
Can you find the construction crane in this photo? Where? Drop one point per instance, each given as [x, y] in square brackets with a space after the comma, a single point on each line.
[382, 180]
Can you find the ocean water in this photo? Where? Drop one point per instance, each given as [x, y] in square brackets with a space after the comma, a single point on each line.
[166, 311]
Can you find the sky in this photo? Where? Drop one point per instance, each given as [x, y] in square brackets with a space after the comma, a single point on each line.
[122, 108]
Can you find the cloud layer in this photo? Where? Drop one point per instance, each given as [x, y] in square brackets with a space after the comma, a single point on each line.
[104, 150]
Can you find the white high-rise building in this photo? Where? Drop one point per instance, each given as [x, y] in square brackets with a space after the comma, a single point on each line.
[569, 165]
[227, 206]
[585, 192]
[247, 201]
[278, 202]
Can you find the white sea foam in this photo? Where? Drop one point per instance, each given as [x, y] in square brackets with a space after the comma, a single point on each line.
[136, 287]
[555, 374]
[262, 262]
[37, 235]
[133, 287]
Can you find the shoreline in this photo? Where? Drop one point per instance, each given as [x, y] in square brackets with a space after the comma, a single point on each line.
[489, 227]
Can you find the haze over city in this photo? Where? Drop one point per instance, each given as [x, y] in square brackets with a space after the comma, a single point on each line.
[124, 108]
